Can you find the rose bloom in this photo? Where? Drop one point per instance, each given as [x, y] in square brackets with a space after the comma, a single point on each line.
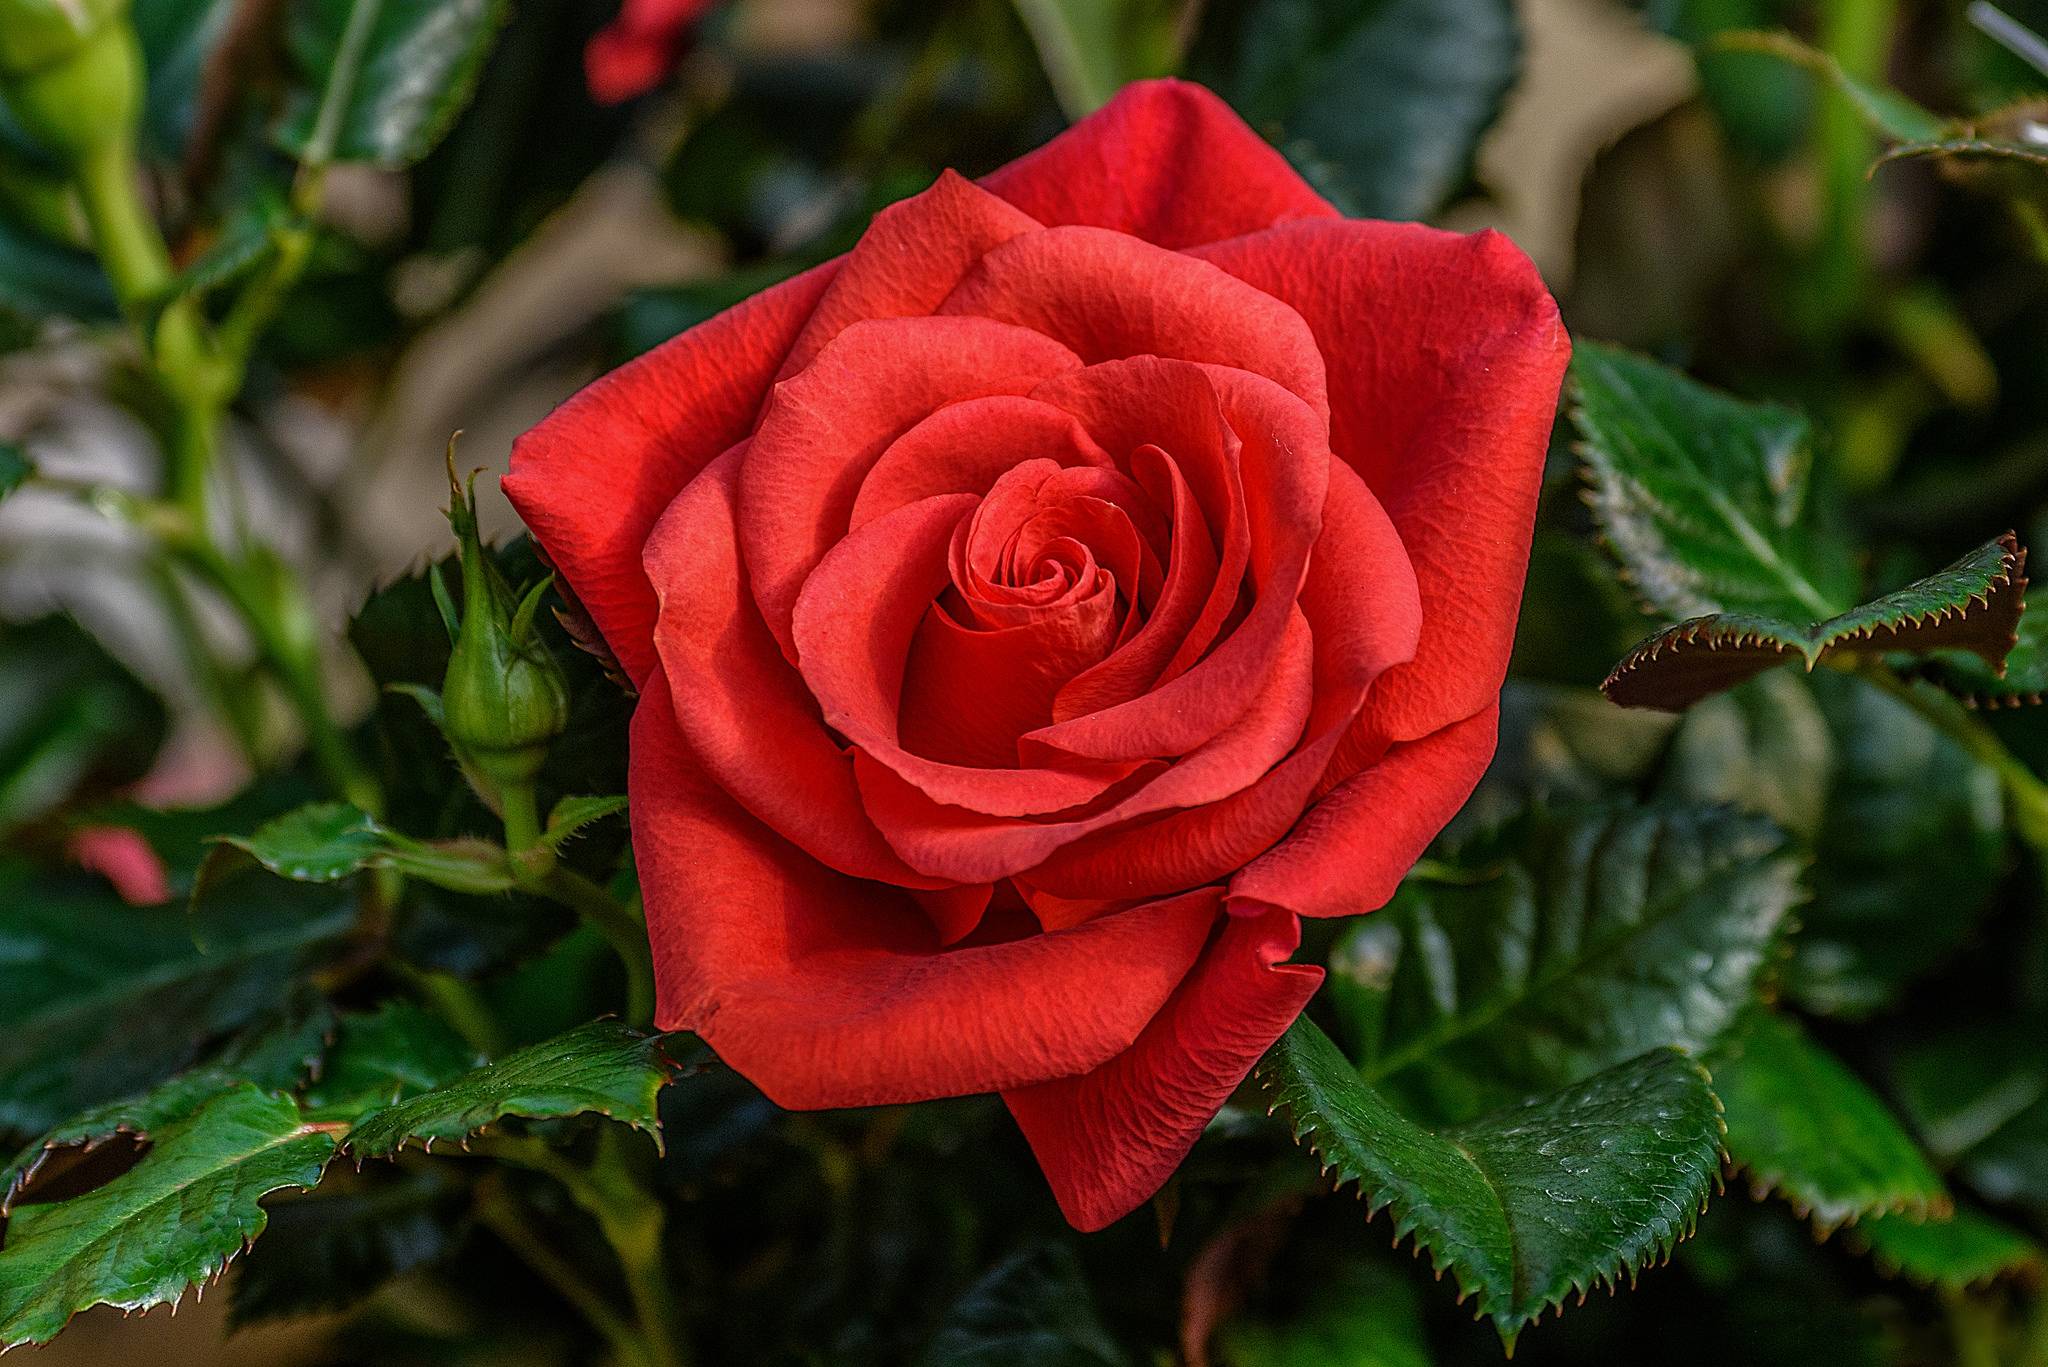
[639, 48]
[1038, 609]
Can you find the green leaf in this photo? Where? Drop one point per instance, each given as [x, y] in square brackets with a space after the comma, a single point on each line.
[173, 1221]
[315, 844]
[1967, 1249]
[605, 1068]
[181, 39]
[326, 841]
[1911, 821]
[275, 1059]
[1091, 48]
[1807, 1128]
[101, 1000]
[1380, 103]
[1974, 605]
[572, 814]
[382, 80]
[40, 278]
[1765, 747]
[1034, 1309]
[1565, 744]
[330, 1250]
[1533, 1203]
[140, 1116]
[384, 1056]
[14, 468]
[1357, 1314]
[1565, 944]
[2021, 683]
[1884, 110]
[1705, 500]
[1978, 1096]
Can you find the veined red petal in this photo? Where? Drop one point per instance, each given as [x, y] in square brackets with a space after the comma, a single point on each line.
[827, 426]
[1353, 848]
[1165, 161]
[1446, 356]
[1109, 1139]
[592, 479]
[829, 991]
[743, 708]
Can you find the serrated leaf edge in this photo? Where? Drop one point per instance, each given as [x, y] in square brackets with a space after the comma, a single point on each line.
[1305, 1133]
[1698, 631]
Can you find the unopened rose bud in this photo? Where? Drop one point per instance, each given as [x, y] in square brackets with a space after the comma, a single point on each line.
[71, 73]
[504, 697]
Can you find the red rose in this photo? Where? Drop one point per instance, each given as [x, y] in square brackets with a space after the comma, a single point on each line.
[1040, 607]
[637, 50]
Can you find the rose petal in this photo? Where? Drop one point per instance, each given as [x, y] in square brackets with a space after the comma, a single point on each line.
[1109, 1139]
[1446, 356]
[827, 991]
[968, 694]
[744, 709]
[1362, 597]
[1284, 473]
[1353, 848]
[1165, 161]
[1107, 296]
[909, 259]
[826, 427]
[948, 841]
[592, 479]
[854, 624]
[965, 447]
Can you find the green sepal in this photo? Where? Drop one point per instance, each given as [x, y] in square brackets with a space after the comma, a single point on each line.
[572, 815]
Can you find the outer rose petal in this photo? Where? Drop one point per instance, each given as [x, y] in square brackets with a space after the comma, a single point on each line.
[1351, 850]
[1445, 357]
[1107, 296]
[593, 478]
[909, 260]
[1166, 161]
[828, 991]
[1108, 1139]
